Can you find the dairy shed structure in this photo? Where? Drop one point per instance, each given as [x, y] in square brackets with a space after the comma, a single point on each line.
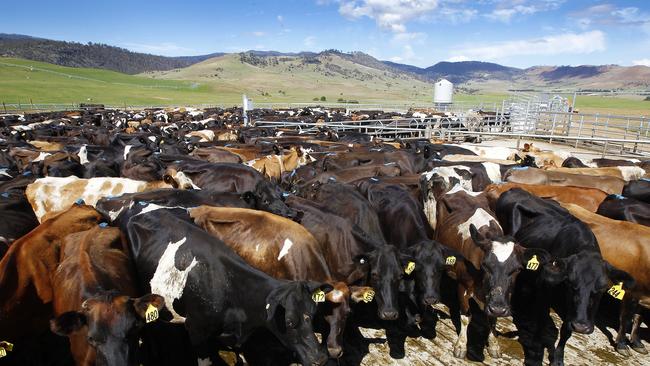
[443, 92]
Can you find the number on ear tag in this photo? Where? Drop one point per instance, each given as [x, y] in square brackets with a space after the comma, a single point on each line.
[151, 314]
[410, 266]
[450, 261]
[368, 295]
[617, 291]
[533, 264]
[318, 296]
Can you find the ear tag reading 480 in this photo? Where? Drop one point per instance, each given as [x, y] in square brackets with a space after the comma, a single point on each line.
[318, 296]
[617, 291]
[533, 264]
[151, 314]
[410, 267]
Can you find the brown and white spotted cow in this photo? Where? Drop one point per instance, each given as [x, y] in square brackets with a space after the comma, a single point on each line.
[53, 194]
[272, 166]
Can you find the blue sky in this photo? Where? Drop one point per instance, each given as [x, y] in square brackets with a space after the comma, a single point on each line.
[519, 33]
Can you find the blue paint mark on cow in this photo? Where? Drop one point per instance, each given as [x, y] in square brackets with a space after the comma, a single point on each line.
[27, 172]
[374, 179]
[79, 201]
[5, 194]
[519, 168]
[142, 203]
[645, 179]
[619, 196]
[103, 225]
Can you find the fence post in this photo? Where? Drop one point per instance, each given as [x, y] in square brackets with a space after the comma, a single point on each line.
[4, 106]
[582, 119]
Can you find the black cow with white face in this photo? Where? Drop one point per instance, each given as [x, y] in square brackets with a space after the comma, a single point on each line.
[212, 291]
[573, 284]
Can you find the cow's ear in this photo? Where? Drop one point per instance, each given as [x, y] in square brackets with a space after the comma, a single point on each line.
[68, 323]
[144, 305]
[555, 272]
[533, 259]
[479, 239]
[276, 150]
[617, 276]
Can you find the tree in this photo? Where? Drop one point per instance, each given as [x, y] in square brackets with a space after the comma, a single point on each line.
[322, 99]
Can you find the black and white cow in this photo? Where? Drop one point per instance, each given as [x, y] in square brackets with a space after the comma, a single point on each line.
[573, 284]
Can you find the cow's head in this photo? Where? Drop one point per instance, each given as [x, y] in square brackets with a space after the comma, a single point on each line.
[290, 309]
[111, 323]
[270, 198]
[433, 259]
[502, 262]
[178, 179]
[587, 276]
[385, 269]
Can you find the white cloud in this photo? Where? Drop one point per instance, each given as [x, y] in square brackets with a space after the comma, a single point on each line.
[165, 48]
[569, 43]
[407, 55]
[309, 41]
[280, 18]
[507, 9]
[258, 33]
[391, 15]
[642, 62]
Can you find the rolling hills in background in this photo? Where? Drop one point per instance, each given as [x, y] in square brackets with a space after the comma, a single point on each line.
[47, 71]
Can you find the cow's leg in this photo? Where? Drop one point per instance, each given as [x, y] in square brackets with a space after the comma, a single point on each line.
[621, 338]
[493, 343]
[634, 335]
[460, 347]
[565, 334]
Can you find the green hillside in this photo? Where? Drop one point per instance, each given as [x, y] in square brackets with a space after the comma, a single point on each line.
[296, 78]
[23, 80]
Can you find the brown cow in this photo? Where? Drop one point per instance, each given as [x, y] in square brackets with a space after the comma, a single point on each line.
[626, 246]
[466, 224]
[93, 288]
[610, 185]
[26, 290]
[272, 166]
[214, 154]
[627, 173]
[283, 249]
[588, 198]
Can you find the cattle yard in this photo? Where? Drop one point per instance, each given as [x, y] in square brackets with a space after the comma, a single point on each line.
[390, 224]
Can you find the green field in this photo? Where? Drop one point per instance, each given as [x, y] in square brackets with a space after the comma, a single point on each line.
[24, 81]
[222, 81]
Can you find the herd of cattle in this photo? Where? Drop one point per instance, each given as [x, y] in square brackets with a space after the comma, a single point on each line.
[174, 237]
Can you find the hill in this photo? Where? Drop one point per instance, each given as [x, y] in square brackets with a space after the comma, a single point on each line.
[302, 77]
[28, 81]
[93, 55]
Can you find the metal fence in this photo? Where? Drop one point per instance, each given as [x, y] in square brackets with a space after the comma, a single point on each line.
[605, 135]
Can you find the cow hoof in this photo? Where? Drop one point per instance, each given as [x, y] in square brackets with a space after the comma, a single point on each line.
[494, 352]
[640, 348]
[460, 352]
[623, 350]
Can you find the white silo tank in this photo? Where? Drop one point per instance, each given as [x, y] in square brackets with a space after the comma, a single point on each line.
[443, 92]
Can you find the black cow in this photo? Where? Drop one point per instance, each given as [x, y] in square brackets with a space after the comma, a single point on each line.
[215, 293]
[573, 284]
[17, 217]
[638, 189]
[619, 207]
[228, 177]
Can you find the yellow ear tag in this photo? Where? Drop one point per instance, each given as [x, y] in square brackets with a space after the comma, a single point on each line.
[151, 314]
[3, 352]
[617, 291]
[368, 295]
[533, 264]
[318, 296]
[410, 266]
[450, 261]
